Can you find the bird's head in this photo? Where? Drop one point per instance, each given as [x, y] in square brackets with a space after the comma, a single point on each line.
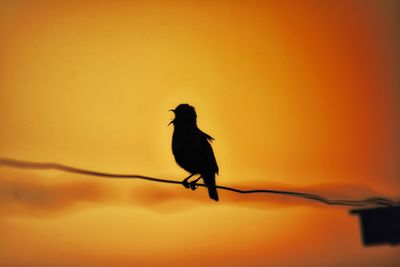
[184, 114]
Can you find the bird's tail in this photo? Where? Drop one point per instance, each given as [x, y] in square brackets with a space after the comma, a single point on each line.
[209, 181]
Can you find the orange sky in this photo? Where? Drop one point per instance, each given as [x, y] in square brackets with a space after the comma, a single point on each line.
[298, 95]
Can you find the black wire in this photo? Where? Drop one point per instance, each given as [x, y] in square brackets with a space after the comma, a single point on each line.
[56, 166]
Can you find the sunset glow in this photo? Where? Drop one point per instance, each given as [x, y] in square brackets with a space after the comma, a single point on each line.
[298, 95]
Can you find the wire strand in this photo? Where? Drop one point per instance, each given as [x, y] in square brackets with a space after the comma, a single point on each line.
[20, 164]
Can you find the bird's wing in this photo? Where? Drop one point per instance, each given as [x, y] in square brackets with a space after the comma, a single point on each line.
[207, 155]
[208, 137]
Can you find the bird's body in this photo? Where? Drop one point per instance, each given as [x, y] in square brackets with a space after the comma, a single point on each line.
[192, 149]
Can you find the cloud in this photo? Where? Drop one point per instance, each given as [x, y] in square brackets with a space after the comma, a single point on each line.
[31, 194]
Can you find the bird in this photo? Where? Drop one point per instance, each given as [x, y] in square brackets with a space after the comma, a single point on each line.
[192, 149]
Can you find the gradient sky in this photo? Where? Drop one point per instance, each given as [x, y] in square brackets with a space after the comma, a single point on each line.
[299, 95]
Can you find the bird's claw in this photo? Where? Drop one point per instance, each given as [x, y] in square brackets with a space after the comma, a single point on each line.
[185, 184]
[193, 185]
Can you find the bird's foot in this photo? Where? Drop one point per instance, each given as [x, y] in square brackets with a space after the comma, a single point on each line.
[185, 183]
[193, 185]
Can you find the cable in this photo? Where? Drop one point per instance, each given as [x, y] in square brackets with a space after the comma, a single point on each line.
[56, 166]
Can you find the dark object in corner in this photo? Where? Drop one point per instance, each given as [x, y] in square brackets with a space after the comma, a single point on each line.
[379, 225]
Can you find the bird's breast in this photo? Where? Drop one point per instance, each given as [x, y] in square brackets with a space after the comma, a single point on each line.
[186, 150]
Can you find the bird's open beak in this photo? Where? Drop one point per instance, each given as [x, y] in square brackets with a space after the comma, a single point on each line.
[172, 110]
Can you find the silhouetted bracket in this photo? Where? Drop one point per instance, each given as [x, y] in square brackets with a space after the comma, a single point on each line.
[379, 225]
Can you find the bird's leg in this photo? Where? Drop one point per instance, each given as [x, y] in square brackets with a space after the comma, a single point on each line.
[193, 185]
[185, 181]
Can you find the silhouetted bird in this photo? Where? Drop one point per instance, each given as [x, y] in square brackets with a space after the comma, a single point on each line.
[192, 149]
